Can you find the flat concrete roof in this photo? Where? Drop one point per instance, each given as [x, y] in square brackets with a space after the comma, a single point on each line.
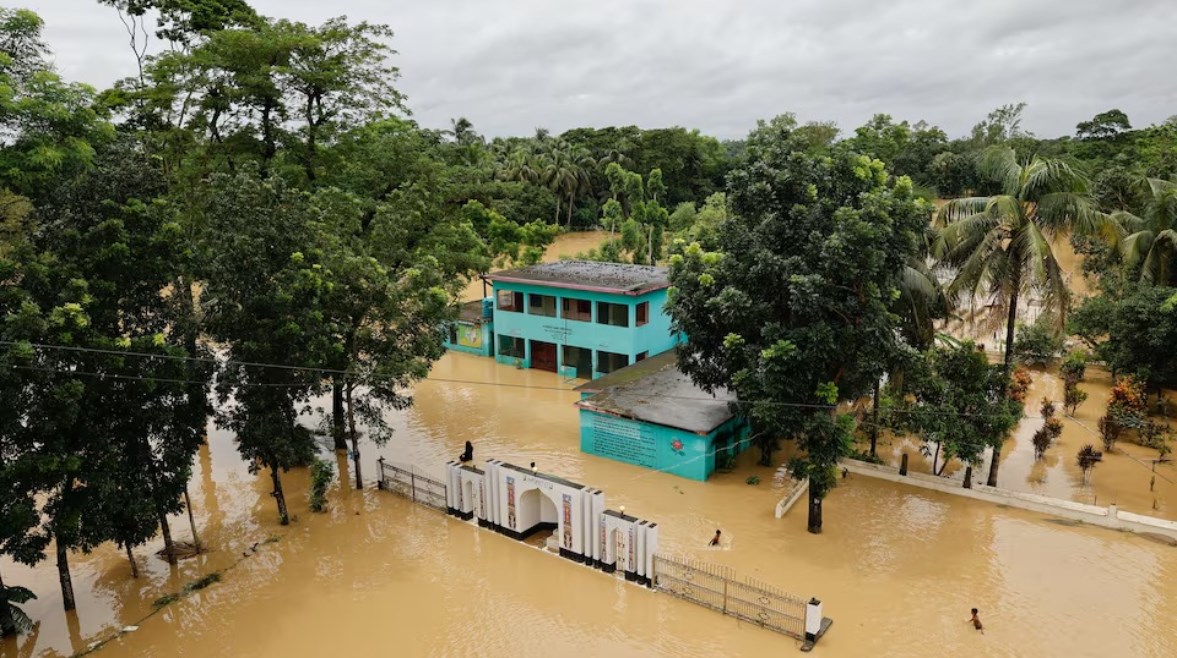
[655, 391]
[616, 278]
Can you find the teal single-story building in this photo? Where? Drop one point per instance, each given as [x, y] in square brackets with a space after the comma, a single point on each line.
[473, 331]
[651, 414]
[582, 319]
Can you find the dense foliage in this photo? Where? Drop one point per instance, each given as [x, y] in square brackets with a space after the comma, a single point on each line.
[793, 311]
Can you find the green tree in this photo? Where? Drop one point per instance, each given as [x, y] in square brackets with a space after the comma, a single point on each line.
[1150, 246]
[1000, 245]
[793, 312]
[265, 300]
[953, 398]
[1103, 125]
[1133, 333]
[1037, 343]
[50, 127]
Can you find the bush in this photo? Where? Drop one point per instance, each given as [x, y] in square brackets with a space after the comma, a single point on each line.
[1073, 397]
[1037, 344]
[1074, 367]
[322, 472]
[1019, 384]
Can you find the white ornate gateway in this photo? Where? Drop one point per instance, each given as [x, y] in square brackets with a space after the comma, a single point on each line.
[519, 502]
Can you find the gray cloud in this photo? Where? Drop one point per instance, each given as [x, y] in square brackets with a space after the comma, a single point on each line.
[718, 65]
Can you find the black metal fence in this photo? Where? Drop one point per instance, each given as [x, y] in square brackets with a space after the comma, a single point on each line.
[404, 480]
[716, 587]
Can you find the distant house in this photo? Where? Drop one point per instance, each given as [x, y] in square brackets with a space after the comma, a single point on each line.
[651, 414]
[581, 319]
[472, 332]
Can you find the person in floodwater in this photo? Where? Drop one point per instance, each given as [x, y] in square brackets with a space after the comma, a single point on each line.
[715, 539]
[469, 454]
[976, 621]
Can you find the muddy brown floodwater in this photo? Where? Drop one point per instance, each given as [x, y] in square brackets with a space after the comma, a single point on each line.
[897, 568]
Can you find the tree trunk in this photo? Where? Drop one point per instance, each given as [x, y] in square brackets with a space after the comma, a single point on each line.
[650, 243]
[814, 509]
[1010, 323]
[169, 548]
[1009, 362]
[936, 460]
[557, 210]
[571, 199]
[874, 423]
[338, 430]
[355, 439]
[7, 623]
[131, 559]
[191, 519]
[67, 583]
[279, 496]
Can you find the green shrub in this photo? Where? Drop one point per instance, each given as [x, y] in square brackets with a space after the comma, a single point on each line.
[322, 472]
[1037, 344]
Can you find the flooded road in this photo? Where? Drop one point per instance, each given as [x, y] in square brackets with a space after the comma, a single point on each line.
[898, 568]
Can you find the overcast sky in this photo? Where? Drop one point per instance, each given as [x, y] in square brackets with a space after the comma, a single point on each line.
[718, 65]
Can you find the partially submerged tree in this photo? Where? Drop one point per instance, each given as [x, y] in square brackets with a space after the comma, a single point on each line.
[954, 399]
[793, 312]
[1000, 246]
[1087, 458]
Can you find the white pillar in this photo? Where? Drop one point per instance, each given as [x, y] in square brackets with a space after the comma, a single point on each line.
[812, 619]
[651, 549]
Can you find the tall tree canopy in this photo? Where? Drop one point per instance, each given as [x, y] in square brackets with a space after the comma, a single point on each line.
[793, 311]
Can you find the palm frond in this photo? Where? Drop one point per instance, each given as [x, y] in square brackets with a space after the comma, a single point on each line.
[958, 208]
[1000, 165]
[1044, 270]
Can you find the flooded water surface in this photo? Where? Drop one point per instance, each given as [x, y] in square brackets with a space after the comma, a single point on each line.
[897, 568]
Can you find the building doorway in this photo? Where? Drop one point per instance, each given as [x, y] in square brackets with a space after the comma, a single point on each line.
[543, 355]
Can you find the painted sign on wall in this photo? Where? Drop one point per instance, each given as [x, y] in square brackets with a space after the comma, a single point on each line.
[624, 441]
[568, 521]
[470, 335]
[511, 502]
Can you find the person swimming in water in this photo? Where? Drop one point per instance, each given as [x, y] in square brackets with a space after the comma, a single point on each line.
[976, 622]
[715, 539]
[469, 454]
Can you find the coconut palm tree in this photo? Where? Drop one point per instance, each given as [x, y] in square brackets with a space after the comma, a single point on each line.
[566, 175]
[1000, 245]
[1151, 242]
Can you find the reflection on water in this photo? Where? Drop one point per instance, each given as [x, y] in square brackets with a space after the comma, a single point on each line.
[898, 568]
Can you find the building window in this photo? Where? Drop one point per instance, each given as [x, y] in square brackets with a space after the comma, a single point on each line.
[576, 309]
[512, 347]
[541, 305]
[509, 300]
[614, 314]
[607, 362]
[640, 357]
[579, 358]
[643, 313]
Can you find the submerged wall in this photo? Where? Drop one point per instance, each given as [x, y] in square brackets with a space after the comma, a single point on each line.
[1108, 517]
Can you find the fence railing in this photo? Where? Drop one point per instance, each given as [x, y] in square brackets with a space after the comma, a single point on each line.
[716, 587]
[412, 485]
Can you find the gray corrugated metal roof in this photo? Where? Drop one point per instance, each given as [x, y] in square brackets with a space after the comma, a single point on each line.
[655, 391]
[590, 275]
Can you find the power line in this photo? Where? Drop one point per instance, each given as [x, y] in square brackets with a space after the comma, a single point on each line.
[372, 378]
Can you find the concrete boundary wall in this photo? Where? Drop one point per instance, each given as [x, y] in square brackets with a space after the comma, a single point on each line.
[1107, 517]
[786, 503]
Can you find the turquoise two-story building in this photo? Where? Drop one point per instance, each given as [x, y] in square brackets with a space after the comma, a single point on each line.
[579, 318]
